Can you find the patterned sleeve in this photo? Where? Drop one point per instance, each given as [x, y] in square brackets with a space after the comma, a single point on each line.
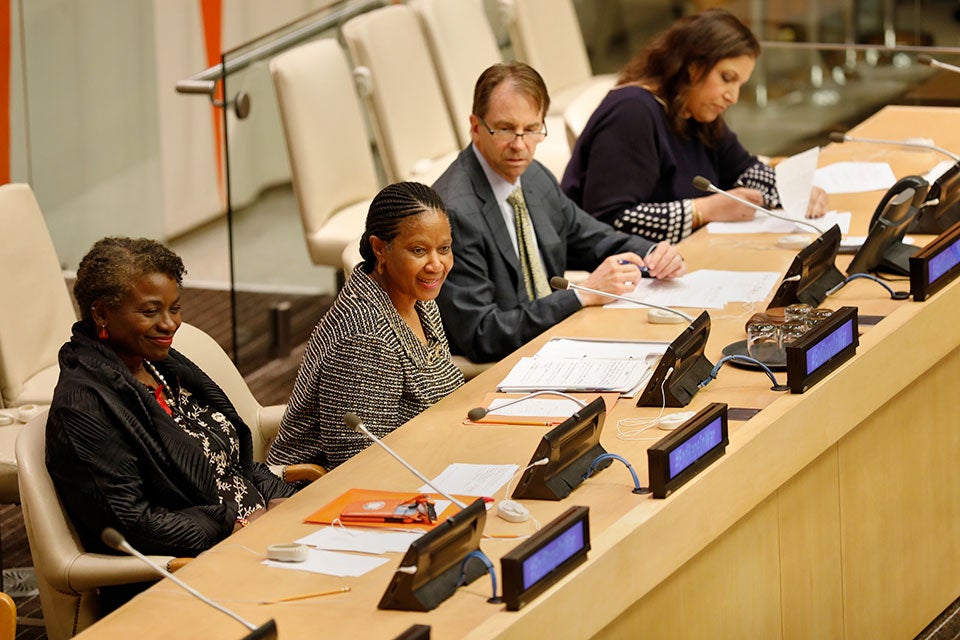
[763, 178]
[657, 221]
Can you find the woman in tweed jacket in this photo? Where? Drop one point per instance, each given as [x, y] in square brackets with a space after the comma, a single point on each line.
[380, 351]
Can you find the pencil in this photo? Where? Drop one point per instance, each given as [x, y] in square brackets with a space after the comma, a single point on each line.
[511, 421]
[307, 595]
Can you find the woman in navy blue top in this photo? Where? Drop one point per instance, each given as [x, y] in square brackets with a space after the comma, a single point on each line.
[633, 165]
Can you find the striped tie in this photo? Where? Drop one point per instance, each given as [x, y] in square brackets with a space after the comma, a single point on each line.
[534, 275]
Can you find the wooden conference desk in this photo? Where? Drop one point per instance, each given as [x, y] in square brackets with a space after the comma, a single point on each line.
[835, 513]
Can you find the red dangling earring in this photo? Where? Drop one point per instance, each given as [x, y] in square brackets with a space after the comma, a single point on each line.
[103, 335]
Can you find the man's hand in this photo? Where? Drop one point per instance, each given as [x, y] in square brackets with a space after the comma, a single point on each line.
[619, 274]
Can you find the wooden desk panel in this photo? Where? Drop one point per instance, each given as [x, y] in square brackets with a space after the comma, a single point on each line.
[806, 528]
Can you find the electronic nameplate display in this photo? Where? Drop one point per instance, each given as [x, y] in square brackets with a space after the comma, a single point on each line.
[936, 265]
[817, 353]
[551, 553]
[687, 451]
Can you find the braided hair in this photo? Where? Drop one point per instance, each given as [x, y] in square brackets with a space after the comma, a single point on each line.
[394, 204]
[113, 265]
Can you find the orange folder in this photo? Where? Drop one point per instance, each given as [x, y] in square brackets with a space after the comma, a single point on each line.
[332, 510]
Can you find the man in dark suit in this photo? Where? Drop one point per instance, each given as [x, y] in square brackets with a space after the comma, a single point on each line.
[513, 229]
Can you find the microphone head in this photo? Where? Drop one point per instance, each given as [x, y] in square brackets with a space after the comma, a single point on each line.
[836, 136]
[113, 538]
[702, 183]
[925, 59]
[477, 413]
[352, 420]
[559, 283]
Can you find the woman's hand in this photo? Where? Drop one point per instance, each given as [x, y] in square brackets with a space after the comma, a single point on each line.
[719, 208]
[818, 203]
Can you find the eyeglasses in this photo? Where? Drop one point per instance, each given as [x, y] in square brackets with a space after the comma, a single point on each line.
[507, 136]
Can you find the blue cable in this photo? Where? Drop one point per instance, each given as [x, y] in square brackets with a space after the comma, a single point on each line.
[486, 561]
[739, 358]
[894, 295]
[612, 456]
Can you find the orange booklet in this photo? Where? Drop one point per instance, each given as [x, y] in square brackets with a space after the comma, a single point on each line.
[609, 399]
[335, 508]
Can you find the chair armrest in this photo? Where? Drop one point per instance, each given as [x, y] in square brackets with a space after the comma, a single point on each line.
[270, 422]
[178, 563]
[300, 472]
[92, 570]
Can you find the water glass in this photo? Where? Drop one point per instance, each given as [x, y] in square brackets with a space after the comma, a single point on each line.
[791, 331]
[818, 316]
[763, 342]
[798, 311]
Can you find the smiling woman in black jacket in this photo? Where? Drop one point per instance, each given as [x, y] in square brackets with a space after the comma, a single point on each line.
[138, 437]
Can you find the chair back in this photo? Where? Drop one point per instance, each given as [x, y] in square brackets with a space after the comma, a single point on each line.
[332, 165]
[67, 576]
[578, 112]
[546, 35]
[412, 127]
[462, 45]
[207, 354]
[37, 312]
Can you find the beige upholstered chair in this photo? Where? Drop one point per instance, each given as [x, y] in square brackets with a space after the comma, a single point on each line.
[462, 45]
[37, 312]
[264, 422]
[546, 35]
[402, 94]
[332, 166]
[67, 575]
[578, 112]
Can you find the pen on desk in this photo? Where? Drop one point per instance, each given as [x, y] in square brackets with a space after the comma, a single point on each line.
[307, 595]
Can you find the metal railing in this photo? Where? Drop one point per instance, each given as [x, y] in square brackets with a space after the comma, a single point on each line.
[205, 82]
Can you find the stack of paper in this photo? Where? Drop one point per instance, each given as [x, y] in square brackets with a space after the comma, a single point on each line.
[569, 364]
[703, 289]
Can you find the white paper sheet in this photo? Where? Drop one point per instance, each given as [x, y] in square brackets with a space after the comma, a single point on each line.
[362, 540]
[575, 374]
[588, 348]
[938, 170]
[765, 224]
[332, 563]
[473, 479]
[795, 181]
[705, 289]
[533, 407]
[854, 177]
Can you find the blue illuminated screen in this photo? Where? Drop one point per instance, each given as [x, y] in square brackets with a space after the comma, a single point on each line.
[693, 449]
[553, 554]
[829, 346]
[943, 262]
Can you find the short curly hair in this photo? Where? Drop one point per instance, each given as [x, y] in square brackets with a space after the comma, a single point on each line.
[113, 265]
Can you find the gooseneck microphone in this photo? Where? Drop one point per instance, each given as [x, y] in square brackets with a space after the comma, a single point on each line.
[479, 413]
[354, 422]
[562, 283]
[115, 540]
[932, 62]
[836, 136]
[703, 184]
